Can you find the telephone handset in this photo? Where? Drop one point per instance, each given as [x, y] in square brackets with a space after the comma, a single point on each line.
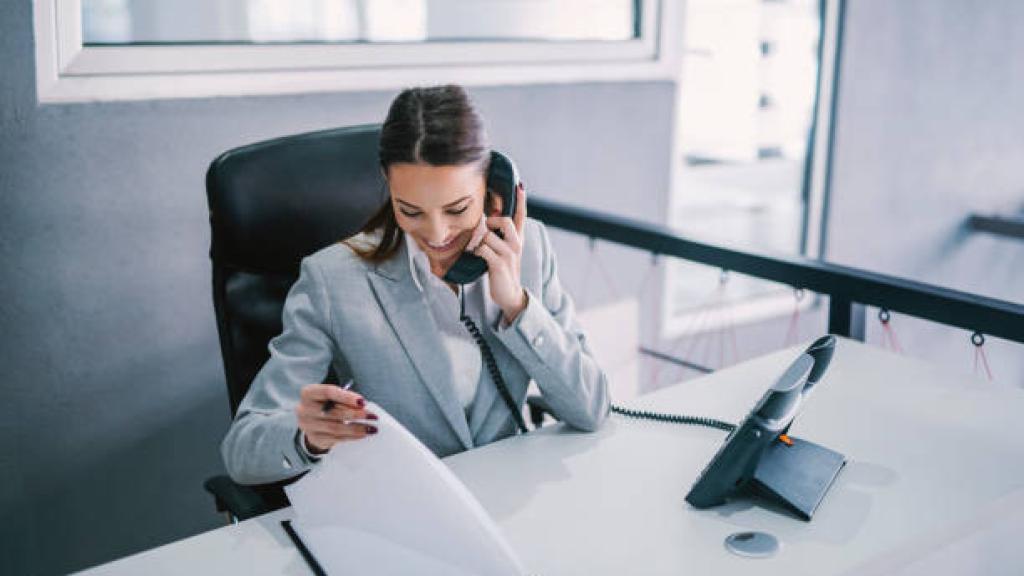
[502, 180]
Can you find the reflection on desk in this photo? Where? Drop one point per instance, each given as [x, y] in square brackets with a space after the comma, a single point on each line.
[931, 455]
[986, 543]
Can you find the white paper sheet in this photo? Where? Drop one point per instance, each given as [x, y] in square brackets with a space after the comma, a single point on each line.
[387, 505]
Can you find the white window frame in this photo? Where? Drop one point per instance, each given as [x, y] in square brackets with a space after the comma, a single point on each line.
[68, 71]
[760, 308]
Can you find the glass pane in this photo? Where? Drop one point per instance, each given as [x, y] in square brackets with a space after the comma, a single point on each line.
[329, 21]
[749, 83]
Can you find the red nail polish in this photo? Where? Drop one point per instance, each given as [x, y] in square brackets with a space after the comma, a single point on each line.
[371, 417]
[360, 402]
[371, 429]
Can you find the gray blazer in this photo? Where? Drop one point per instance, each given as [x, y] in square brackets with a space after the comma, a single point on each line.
[370, 323]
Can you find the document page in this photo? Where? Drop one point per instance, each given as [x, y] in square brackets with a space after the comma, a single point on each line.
[387, 505]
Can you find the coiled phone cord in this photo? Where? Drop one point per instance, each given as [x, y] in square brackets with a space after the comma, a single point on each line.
[492, 368]
[490, 362]
[673, 418]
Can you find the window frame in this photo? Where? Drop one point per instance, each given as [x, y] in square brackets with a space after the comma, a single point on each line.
[717, 316]
[68, 71]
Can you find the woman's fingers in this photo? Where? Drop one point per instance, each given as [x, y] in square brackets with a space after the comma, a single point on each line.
[344, 415]
[323, 392]
[339, 413]
[501, 248]
[496, 263]
[324, 429]
[500, 260]
[508, 230]
[503, 271]
[341, 422]
[488, 254]
[341, 430]
[479, 232]
[323, 435]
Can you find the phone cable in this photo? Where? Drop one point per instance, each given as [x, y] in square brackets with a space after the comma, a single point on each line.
[499, 382]
[673, 418]
[490, 362]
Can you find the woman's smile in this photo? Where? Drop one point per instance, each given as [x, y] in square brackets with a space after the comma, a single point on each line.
[443, 255]
[444, 247]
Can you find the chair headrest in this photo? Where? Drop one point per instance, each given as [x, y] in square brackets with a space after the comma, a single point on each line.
[274, 202]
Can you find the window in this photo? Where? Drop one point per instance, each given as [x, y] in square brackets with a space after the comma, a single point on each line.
[754, 116]
[118, 49]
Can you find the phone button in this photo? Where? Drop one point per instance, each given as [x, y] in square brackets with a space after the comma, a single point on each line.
[538, 341]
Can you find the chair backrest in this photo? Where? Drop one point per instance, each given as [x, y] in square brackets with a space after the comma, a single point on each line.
[271, 204]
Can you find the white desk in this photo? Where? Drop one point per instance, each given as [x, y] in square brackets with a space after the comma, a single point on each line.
[935, 479]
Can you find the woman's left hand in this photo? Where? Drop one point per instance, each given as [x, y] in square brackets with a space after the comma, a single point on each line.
[503, 259]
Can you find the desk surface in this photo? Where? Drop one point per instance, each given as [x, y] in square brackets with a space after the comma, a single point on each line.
[935, 478]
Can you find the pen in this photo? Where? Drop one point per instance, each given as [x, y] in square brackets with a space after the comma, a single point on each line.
[328, 405]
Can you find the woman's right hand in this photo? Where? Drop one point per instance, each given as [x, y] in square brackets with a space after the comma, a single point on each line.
[325, 429]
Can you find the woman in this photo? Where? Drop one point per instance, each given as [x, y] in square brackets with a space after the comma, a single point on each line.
[377, 310]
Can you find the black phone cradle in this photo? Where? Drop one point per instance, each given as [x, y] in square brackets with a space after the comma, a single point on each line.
[796, 475]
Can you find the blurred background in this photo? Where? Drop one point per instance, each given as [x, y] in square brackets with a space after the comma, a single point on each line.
[861, 133]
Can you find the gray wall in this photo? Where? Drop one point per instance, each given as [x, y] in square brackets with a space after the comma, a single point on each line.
[930, 129]
[113, 402]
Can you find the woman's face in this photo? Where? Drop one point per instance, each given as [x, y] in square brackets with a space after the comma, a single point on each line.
[438, 206]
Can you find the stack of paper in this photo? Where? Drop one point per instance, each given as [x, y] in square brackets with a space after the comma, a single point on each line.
[387, 505]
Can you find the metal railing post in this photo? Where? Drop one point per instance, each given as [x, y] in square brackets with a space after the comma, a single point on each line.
[846, 318]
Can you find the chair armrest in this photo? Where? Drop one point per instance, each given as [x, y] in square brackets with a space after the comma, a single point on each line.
[538, 408]
[240, 501]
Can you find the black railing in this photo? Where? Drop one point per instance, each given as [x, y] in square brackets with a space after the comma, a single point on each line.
[1007, 226]
[849, 289]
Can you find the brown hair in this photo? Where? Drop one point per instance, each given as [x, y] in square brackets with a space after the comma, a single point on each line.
[437, 126]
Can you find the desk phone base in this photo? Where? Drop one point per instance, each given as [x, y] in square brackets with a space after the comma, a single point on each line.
[797, 475]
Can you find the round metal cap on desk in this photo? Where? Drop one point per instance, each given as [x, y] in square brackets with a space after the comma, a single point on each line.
[752, 544]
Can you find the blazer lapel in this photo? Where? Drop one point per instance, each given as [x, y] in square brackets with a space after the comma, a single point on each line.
[409, 317]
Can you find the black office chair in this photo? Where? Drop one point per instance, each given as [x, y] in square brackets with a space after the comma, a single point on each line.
[271, 204]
